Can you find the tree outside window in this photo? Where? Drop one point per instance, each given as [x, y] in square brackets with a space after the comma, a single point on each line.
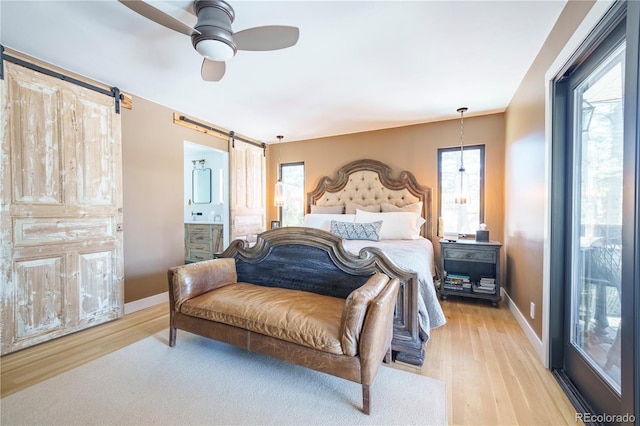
[461, 218]
[292, 176]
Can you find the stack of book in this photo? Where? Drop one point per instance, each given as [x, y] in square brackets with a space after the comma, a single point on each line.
[459, 282]
[485, 285]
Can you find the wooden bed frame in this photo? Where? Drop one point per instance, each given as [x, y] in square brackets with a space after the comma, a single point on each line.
[369, 182]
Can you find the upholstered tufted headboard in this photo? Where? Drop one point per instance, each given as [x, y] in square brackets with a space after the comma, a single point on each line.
[369, 182]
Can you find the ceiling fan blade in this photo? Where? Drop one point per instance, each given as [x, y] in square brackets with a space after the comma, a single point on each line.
[212, 70]
[158, 16]
[270, 37]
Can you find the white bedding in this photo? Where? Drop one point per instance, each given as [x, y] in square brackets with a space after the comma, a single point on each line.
[415, 256]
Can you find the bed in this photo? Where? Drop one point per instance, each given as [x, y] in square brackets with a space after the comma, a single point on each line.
[364, 193]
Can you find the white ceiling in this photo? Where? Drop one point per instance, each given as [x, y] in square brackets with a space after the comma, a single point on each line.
[358, 66]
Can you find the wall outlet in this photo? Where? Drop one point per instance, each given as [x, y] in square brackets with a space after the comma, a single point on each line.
[532, 310]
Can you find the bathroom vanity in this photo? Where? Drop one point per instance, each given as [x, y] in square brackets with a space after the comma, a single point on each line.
[202, 240]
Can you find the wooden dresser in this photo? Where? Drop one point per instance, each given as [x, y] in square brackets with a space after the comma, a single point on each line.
[201, 241]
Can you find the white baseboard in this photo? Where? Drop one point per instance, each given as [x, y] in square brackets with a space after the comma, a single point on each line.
[526, 327]
[147, 302]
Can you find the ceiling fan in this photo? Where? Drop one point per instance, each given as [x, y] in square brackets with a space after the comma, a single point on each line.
[213, 37]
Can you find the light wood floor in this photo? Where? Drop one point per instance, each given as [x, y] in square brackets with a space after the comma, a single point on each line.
[492, 375]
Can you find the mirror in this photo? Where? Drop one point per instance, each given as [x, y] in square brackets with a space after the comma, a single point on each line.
[201, 186]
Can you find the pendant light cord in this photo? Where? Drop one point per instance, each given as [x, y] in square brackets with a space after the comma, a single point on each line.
[462, 111]
[279, 148]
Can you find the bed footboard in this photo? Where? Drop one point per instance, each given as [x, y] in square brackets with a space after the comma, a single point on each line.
[314, 260]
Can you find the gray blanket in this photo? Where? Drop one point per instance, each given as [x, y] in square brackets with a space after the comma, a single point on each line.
[415, 256]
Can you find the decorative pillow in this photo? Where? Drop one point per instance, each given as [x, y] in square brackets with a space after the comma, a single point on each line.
[323, 221]
[414, 208]
[351, 208]
[357, 231]
[395, 225]
[327, 209]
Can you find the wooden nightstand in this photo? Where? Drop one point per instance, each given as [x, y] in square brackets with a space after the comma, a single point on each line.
[470, 269]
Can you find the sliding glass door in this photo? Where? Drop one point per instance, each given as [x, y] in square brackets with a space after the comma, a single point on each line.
[595, 226]
[594, 240]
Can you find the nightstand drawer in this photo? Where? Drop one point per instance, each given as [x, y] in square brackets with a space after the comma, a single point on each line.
[488, 256]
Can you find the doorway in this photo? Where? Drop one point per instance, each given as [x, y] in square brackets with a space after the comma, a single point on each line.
[215, 207]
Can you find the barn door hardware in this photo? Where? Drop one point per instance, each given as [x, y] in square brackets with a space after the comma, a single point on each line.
[114, 92]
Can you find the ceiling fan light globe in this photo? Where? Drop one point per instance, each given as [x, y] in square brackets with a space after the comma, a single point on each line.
[215, 50]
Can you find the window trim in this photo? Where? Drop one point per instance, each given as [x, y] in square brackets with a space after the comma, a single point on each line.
[481, 148]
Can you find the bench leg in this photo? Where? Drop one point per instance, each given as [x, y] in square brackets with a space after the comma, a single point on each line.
[365, 399]
[172, 336]
[387, 357]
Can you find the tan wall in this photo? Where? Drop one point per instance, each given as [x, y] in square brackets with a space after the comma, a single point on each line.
[412, 148]
[525, 187]
[153, 185]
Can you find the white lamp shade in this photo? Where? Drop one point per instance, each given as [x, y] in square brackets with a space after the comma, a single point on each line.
[278, 197]
[215, 50]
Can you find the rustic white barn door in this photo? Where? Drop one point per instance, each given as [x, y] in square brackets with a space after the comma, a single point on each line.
[247, 189]
[61, 208]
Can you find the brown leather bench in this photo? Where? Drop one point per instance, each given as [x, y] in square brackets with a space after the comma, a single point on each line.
[345, 337]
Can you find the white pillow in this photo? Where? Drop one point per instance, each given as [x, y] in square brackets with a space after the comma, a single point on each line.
[327, 209]
[395, 225]
[415, 208]
[323, 221]
[351, 207]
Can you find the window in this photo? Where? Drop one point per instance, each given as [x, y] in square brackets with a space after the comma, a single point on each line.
[463, 219]
[292, 175]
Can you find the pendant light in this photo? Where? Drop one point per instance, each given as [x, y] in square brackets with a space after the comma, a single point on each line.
[462, 179]
[278, 195]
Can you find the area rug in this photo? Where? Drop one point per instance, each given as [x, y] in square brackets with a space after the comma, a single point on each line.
[204, 382]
